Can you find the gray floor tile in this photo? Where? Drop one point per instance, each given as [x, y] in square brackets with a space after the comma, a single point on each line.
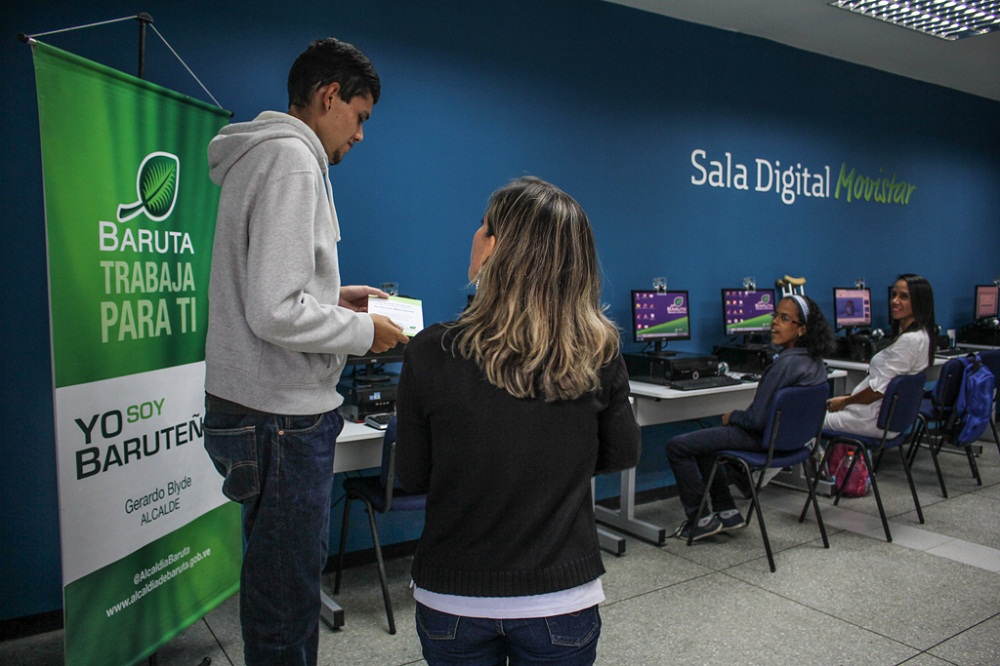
[365, 637]
[909, 596]
[961, 517]
[732, 548]
[927, 659]
[38, 650]
[976, 646]
[719, 620]
[645, 568]
[973, 554]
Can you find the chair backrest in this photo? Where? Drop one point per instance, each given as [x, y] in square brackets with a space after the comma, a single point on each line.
[795, 416]
[387, 473]
[949, 381]
[901, 402]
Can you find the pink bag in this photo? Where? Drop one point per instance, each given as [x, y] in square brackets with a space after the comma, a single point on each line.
[838, 462]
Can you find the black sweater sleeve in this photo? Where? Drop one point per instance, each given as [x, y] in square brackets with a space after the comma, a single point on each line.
[621, 442]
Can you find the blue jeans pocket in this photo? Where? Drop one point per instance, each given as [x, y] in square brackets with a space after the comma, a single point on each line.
[437, 626]
[574, 629]
[234, 452]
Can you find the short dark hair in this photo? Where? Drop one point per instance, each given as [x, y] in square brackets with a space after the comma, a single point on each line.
[818, 339]
[328, 60]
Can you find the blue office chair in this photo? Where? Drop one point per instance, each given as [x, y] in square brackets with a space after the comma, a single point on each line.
[380, 495]
[795, 418]
[936, 422]
[991, 359]
[898, 414]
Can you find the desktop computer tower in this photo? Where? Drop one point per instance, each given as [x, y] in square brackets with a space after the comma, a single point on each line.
[745, 358]
[365, 396]
[661, 369]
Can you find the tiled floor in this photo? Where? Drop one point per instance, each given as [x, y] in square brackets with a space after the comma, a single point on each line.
[929, 598]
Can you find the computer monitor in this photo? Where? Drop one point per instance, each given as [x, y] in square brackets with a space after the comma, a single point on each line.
[745, 312]
[369, 367]
[660, 316]
[987, 300]
[852, 307]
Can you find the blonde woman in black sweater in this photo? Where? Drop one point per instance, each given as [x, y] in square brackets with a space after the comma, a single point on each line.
[505, 415]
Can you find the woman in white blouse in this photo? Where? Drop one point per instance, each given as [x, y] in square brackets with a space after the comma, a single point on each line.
[912, 310]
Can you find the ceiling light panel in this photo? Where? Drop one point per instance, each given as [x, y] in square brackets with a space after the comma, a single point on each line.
[947, 19]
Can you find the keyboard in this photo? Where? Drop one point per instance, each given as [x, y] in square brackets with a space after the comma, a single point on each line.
[379, 421]
[704, 383]
[951, 352]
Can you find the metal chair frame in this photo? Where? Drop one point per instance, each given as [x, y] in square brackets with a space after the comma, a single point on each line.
[813, 397]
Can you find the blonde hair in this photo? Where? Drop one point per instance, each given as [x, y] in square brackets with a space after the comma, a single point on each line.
[536, 326]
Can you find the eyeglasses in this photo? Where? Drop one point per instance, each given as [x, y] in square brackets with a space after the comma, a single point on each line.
[785, 319]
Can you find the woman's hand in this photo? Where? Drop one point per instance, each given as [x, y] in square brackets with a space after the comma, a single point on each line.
[836, 404]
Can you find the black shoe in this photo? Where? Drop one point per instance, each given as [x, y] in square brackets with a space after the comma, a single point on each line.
[705, 527]
[731, 522]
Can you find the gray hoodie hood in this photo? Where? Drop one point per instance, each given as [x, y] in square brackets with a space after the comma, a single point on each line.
[234, 141]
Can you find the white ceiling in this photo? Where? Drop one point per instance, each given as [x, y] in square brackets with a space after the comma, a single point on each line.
[971, 65]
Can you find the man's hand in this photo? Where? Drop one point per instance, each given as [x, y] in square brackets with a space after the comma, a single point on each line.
[355, 297]
[387, 334]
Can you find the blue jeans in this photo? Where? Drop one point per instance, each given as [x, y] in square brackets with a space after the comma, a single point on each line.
[280, 468]
[567, 640]
[691, 456]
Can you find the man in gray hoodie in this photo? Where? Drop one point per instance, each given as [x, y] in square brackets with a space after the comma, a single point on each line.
[280, 327]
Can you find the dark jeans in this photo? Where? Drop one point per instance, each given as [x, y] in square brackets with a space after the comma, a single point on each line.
[280, 468]
[691, 456]
[567, 640]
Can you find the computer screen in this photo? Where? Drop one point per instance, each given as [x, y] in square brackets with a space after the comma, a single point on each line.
[987, 300]
[660, 316]
[746, 312]
[852, 306]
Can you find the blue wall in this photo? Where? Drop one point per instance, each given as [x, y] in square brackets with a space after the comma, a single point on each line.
[607, 102]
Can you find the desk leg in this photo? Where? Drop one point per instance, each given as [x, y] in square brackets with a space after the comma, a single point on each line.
[330, 611]
[611, 542]
[624, 519]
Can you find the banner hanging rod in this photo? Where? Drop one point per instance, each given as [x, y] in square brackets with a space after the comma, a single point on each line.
[144, 20]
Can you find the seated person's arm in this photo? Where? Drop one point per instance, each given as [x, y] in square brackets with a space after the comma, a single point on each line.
[753, 418]
[865, 396]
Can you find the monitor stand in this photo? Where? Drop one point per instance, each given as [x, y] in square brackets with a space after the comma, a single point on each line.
[660, 350]
[749, 341]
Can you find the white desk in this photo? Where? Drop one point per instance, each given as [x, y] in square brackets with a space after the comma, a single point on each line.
[654, 404]
[358, 447]
[858, 370]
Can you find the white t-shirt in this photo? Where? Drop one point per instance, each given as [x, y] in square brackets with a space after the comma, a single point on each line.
[515, 608]
[906, 356]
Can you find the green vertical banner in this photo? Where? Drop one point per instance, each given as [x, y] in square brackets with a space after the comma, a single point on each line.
[149, 543]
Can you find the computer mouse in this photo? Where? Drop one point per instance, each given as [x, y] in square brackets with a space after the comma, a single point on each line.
[751, 377]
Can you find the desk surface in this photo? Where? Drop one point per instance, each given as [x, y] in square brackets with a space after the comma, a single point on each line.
[658, 404]
[862, 366]
[357, 448]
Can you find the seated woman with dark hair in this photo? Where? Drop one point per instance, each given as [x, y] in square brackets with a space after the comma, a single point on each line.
[911, 307]
[803, 335]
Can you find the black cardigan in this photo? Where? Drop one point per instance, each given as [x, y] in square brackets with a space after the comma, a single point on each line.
[509, 505]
